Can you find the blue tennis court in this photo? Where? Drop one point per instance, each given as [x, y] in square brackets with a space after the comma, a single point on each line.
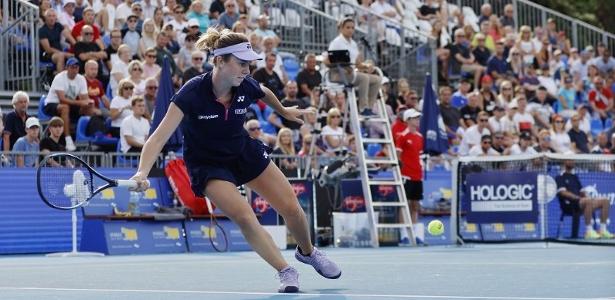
[517, 272]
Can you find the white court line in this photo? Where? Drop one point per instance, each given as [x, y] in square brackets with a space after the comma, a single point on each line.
[7, 288]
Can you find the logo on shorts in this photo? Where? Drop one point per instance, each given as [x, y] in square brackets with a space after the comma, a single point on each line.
[241, 98]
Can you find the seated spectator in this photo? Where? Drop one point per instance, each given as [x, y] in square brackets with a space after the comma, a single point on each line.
[268, 46]
[149, 9]
[151, 91]
[148, 37]
[229, 16]
[488, 40]
[567, 96]
[54, 141]
[523, 119]
[88, 19]
[96, 92]
[290, 99]
[131, 36]
[526, 46]
[516, 64]
[150, 68]
[216, 9]
[197, 12]
[524, 146]
[469, 113]
[50, 36]
[308, 78]
[28, 143]
[585, 119]
[569, 192]
[530, 83]
[462, 59]
[604, 62]
[498, 143]
[472, 136]
[547, 81]
[284, 146]
[495, 121]
[255, 131]
[136, 76]
[119, 70]
[196, 68]
[66, 16]
[560, 140]
[268, 77]
[137, 11]
[578, 138]
[113, 48]
[333, 134]
[122, 11]
[544, 142]
[483, 148]
[67, 95]
[15, 121]
[601, 99]
[602, 144]
[508, 18]
[428, 11]
[580, 67]
[540, 109]
[460, 97]
[480, 51]
[121, 106]
[173, 39]
[306, 145]
[264, 31]
[309, 124]
[161, 41]
[497, 67]
[508, 123]
[134, 129]
[86, 49]
[184, 57]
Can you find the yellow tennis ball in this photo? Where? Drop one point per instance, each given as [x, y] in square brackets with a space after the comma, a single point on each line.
[435, 227]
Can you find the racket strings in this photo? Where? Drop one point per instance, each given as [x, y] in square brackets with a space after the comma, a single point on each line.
[64, 182]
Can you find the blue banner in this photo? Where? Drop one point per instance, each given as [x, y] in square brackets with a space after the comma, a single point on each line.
[198, 239]
[432, 124]
[129, 237]
[501, 197]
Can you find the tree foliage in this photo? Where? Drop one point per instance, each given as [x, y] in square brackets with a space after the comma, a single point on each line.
[595, 12]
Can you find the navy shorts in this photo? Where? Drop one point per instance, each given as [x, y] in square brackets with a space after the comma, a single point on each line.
[244, 168]
[414, 189]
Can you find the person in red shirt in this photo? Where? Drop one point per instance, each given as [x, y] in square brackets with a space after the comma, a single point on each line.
[409, 144]
[88, 19]
[96, 92]
[399, 125]
[601, 99]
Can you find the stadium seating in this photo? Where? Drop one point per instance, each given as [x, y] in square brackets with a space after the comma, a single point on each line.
[81, 135]
[42, 117]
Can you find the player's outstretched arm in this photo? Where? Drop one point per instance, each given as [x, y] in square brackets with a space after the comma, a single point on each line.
[154, 144]
[290, 113]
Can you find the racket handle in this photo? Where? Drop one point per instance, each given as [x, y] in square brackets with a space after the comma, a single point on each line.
[128, 183]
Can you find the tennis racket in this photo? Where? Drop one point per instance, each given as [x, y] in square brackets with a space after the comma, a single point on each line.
[64, 181]
[216, 233]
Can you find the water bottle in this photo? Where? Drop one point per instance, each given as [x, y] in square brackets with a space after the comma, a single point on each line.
[133, 203]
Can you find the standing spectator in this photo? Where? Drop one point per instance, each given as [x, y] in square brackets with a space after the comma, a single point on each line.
[309, 77]
[526, 46]
[50, 35]
[196, 69]
[578, 138]
[134, 129]
[601, 99]
[67, 96]
[123, 10]
[15, 121]
[28, 143]
[409, 144]
[53, 142]
[149, 9]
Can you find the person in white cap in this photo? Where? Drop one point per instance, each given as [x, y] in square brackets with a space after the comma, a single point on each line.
[220, 155]
[28, 143]
[409, 144]
[67, 18]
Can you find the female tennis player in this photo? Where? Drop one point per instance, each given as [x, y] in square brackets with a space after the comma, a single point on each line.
[220, 155]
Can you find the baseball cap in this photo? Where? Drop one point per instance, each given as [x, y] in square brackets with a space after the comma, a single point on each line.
[411, 113]
[32, 121]
[193, 22]
[525, 135]
[67, 2]
[72, 62]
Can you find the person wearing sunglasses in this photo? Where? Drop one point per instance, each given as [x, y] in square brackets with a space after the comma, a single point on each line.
[220, 155]
[484, 147]
[472, 136]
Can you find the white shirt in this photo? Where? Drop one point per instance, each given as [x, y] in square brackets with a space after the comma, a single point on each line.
[561, 142]
[549, 84]
[478, 151]
[71, 87]
[524, 117]
[516, 150]
[337, 133]
[120, 67]
[122, 12]
[383, 7]
[119, 102]
[544, 110]
[579, 68]
[261, 64]
[496, 124]
[111, 17]
[66, 20]
[508, 125]
[471, 138]
[137, 128]
[584, 125]
[341, 43]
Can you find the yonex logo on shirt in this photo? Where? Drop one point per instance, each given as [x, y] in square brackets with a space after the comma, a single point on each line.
[240, 98]
[202, 117]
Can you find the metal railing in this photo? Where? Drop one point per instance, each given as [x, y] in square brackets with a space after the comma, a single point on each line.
[581, 34]
[94, 159]
[19, 47]
[402, 53]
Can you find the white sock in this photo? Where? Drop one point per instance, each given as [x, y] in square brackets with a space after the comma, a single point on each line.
[403, 234]
[589, 228]
[419, 231]
[603, 227]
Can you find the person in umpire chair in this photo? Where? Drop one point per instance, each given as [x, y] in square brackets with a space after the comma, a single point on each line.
[573, 200]
[220, 154]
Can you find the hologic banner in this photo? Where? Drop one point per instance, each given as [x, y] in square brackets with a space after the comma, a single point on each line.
[501, 197]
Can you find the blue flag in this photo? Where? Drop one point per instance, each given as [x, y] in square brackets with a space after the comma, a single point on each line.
[432, 125]
[163, 100]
